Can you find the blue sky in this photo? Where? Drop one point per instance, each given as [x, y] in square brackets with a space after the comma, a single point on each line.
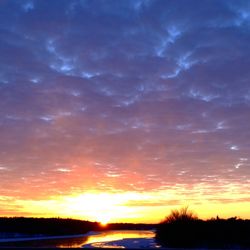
[124, 96]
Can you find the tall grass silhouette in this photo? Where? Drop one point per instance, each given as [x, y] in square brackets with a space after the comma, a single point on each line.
[182, 215]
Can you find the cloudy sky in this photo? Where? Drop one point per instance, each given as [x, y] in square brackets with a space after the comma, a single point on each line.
[142, 104]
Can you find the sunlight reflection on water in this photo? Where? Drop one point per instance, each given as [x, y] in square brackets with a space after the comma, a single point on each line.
[118, 239]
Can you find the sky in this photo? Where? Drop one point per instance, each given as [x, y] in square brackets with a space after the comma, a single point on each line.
[124, 110]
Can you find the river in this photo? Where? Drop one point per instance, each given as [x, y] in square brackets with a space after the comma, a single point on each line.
[104, 239]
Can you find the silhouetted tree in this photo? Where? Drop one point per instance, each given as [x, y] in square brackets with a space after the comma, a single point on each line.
[182, 228]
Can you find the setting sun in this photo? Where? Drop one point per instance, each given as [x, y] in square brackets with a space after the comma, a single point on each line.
[104, 221]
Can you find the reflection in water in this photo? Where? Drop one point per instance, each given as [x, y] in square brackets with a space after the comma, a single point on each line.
[118, 235]
[72, 243]
[117, 239]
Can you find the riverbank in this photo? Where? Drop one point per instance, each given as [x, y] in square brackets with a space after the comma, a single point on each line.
[18, 239]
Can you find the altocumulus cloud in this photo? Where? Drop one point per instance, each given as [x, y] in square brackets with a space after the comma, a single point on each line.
[123, 95]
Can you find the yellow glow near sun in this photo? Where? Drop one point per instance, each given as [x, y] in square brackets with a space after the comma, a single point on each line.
[136, 206]
[101, 207]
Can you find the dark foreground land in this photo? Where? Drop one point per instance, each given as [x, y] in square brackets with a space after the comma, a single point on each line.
[183, 229]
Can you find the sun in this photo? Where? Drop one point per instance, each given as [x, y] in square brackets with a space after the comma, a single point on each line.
[104, 220]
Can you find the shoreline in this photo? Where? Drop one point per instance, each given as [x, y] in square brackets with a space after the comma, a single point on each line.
[49, 237]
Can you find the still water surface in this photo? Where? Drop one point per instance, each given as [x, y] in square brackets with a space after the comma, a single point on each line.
[111, 239]
[122, 239]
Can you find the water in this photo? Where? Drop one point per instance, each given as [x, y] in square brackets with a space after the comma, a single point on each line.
[110, 239]
[122, 239]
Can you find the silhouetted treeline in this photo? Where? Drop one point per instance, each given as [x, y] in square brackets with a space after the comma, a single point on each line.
[45, 226]
[184, 229]
[130, 226]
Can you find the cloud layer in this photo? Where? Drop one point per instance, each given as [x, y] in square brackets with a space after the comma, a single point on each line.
[124, 95]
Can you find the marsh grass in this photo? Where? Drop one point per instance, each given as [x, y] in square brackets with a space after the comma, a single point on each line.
[182, 215]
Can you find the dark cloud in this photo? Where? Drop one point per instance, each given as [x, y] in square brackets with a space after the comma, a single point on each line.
[113, 92]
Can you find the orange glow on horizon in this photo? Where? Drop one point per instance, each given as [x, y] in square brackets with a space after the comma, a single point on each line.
[135, 207]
